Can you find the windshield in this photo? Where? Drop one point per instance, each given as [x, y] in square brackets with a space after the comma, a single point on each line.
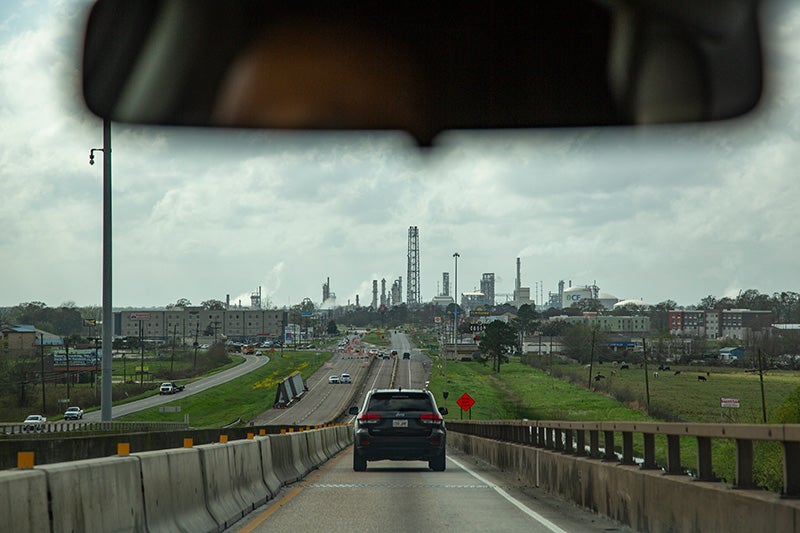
[669, 213]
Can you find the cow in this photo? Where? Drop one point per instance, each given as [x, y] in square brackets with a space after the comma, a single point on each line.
[702, 378]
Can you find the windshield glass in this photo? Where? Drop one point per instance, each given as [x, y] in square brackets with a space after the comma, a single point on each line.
[651, 215]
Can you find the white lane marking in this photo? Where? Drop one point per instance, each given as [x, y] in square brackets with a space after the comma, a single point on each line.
[519, 505]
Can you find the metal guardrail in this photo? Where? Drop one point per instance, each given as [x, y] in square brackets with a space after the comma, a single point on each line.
[80, 426]
[571, 438]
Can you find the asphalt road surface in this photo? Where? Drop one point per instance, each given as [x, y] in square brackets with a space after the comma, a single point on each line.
[408, 497]
[250, 363]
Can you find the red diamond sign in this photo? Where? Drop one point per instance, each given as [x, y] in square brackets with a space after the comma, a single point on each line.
[465, 402]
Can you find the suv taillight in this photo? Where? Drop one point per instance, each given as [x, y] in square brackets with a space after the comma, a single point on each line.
[369, 418]
[430, 418]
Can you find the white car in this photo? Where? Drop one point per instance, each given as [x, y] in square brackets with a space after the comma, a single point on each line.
[345, 378]
[73, 413]
[34, 423]
[333, 380]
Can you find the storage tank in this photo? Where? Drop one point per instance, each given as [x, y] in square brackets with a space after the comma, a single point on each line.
[573, 295]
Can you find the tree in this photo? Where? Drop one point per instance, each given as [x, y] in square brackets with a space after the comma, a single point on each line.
[213, 305]
[498, 339]
[332, 329]
[182, 302]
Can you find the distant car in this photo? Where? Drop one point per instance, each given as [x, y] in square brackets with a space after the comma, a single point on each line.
[399, 425]
[345, 378]
[333, 380]
[386, 356]
[406, 355]
[258, 353]
[34, 423]
[170, 387]
[394, 352]
[73, 413]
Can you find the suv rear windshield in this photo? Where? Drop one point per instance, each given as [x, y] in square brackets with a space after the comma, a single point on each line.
[399, 401]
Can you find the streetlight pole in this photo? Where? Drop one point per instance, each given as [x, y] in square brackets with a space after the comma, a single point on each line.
[455, 316]
[108, 322]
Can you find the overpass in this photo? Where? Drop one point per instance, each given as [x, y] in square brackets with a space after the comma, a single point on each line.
[209, 486]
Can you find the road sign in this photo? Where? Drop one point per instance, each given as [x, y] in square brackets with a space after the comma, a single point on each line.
[729, 402]
[465, 402]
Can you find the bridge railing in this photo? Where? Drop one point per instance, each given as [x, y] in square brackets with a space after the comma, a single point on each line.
[584, 438]
[81, 426]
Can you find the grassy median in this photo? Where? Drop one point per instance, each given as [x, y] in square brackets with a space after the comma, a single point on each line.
[242, 398]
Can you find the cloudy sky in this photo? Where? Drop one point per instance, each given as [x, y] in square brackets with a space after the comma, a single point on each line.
[667, 213]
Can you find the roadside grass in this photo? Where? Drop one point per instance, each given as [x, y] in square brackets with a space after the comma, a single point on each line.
[240, 399]
[521, 391]
[377, 337]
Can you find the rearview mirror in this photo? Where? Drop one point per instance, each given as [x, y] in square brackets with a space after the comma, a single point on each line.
[421, 67]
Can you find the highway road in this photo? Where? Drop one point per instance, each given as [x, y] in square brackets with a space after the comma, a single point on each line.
[324, 401]
[407, 496]
[250, 363]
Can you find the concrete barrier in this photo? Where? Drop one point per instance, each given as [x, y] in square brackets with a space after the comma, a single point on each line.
[315, 451]
[302, 460]
[271, 479]
[286, 467]
[96, 495]
[23, 501]
[174, 493]
[646, 500]
[233, 479]
[329, 441]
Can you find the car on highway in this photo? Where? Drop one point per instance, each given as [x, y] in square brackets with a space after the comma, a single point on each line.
[333, 380]
[73, 413]
[345, 378]
[406, 355]
[34, 423]
[399, 425]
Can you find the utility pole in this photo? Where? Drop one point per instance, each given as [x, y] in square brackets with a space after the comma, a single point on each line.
[66, 351]
[141, 351]
[761, 377]
[646, 376]
[41, 346]
[591, 359]
[172, 361]
[196, 334]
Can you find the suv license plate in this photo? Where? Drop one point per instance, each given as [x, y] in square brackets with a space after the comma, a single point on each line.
[399, 423]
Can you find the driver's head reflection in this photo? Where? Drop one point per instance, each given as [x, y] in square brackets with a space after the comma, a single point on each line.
[314, 74]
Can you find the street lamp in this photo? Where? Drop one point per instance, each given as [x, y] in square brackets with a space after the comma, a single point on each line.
[108, 319]
[455, 319]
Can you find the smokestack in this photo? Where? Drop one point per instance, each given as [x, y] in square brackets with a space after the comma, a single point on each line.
[519, 278]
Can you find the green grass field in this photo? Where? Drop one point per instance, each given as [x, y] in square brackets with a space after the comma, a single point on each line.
[242, 398]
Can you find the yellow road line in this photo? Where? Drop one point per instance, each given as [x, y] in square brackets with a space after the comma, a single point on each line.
[250, 526]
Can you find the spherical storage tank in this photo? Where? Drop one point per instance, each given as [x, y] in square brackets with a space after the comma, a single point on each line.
[574, 295]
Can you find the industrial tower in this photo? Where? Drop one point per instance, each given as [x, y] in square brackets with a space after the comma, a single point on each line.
[412, 295]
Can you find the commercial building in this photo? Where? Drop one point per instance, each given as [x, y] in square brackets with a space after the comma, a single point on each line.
[236, 323]
[718, 323]
[635, 326]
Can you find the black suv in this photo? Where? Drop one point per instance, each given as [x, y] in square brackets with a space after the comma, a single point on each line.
[399, 425]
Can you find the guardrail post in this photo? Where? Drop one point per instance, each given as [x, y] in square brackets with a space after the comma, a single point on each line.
[609, 446]
[594, 443]
[791, 469]
[558, 439]
[649, 462]
[674, 455]
[705, 471]
[627, 448]
[548, 438]
[744, 464]
[580, 447]
[541, 433]
[568, 442]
